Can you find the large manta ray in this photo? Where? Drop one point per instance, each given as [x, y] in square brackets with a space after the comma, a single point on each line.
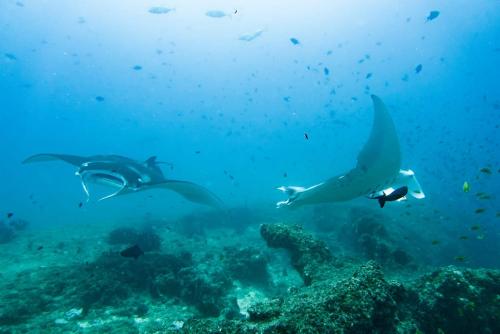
[128, 176]
[377, 171]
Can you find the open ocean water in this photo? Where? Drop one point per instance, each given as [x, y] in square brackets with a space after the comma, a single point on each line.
[143, 143]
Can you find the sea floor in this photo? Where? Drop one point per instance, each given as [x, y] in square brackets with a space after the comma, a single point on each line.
[248, 273]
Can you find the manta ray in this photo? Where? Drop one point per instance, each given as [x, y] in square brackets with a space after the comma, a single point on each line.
[128, 176]
[377, 172]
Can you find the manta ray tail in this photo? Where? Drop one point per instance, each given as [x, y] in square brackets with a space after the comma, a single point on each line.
[192, 192]
[71, 159]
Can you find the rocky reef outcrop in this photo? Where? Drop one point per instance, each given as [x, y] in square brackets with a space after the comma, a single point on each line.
[449, 300]
[456, 300]
[310, 256]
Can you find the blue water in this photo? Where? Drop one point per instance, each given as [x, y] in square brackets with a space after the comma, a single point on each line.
[94, 77]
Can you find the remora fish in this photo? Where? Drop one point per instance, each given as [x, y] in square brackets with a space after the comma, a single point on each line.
[394, 195]
[128, 176]
[377, 169]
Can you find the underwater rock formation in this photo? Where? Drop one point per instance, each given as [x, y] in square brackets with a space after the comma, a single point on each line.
[18, 224]
[364, 303]
[447, 301]
[9, 229]
[310, 257]
[368, 236]
[457, 300]
[248, 265]
[146, 239]
[6, 233]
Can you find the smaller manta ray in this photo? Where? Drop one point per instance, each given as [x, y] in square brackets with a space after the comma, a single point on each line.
[394, 195]
[128, 176]
[377, 172]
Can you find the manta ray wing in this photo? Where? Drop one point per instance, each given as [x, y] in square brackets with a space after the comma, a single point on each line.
[71, 159]
[377, 166]
[192, 192]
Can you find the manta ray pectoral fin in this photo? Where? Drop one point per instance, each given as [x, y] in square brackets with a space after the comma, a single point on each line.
[71, 159]
[192, 192]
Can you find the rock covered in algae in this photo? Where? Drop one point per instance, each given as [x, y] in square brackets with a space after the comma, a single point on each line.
[363, 303]
[310, 256]
[457, 300]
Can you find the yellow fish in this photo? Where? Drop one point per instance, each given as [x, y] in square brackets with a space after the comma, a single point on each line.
[466, 187]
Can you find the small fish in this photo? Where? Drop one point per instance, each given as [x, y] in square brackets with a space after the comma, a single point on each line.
[294, 41]
[418, 68]
[464, 237]
[326, 71]
[436, 242]
[393, 196]
[80, 204]
[10, 56]
[306, 136]
[10, 214]
[466, 187]
[368, 76]
[137, 68]
[480, 210]
[432, 15]
[39, 248]
[285, 174]
[484, 196]
[159, 10]
[134, 251]
[235, 11]
[460, 258]
[99, 98]
[251, 37]
[197, 152]
[215, 14]
[475, 227]
[485, 170]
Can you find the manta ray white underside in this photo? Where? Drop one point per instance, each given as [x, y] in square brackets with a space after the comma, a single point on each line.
[378, 169]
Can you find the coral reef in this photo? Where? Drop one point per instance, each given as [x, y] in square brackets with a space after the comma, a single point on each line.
[368, 236]
[457, 300]
[10, 229]
[363, 303]
[310, 257]
[449, 300]
[247, 264]
[147, 239]
[18, 224]
[7, 233]
[196, 292]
